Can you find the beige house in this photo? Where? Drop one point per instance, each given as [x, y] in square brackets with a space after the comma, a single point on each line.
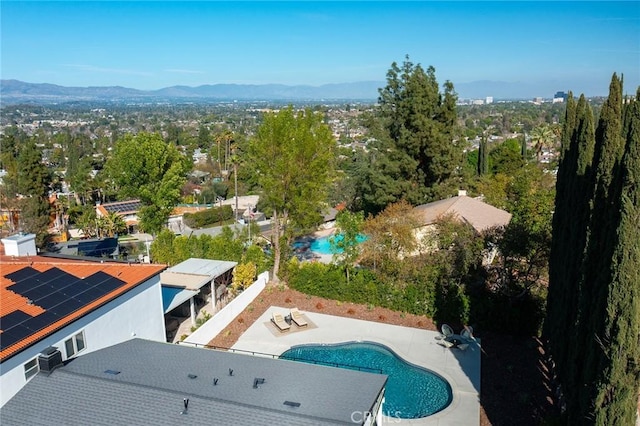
[478, 214]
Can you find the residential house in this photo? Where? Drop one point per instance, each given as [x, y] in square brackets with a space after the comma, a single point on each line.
[144, 382]
[472, 211]
[76, 305]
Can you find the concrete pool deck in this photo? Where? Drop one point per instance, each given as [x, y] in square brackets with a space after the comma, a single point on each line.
[460, 368]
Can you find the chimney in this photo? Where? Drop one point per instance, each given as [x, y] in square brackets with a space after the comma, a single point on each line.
[462, 192]
[50, 359]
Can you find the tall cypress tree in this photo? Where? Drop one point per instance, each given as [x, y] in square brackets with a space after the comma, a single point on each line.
[483, 157]
[593, 321]
[569, 232]
[601, 244]
[618, 378]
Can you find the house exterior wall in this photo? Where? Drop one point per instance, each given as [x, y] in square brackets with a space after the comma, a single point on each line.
[137, 313]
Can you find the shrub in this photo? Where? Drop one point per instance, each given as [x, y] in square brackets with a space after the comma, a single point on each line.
[208, 217]
[319, 305]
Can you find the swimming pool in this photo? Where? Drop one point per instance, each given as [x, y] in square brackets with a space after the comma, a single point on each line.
[323, 245]
[412, 392]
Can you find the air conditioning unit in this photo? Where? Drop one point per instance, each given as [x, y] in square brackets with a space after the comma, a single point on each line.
[49, 359]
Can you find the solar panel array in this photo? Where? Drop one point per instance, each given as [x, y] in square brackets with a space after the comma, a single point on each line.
[54, 290]
[124, 206]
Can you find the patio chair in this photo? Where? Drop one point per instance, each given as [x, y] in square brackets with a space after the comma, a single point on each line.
[446, 330]
[297, 318]
[278, 320]
[467, 333]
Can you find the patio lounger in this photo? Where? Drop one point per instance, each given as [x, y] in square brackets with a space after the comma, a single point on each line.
[297, 317]
[279, 321]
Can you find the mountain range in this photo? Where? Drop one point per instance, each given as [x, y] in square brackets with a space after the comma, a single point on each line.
[15, 91]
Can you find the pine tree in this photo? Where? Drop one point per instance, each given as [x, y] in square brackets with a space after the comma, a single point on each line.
[415, 157]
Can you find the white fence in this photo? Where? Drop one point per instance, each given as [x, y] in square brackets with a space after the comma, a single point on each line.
[221, 319]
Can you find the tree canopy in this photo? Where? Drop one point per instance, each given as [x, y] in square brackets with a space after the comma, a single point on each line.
[293, 157]
[415, 156]
[144, 166]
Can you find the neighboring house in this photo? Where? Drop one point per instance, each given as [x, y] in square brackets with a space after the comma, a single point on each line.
[91, 247]
[144, 382]
[75, 305]
[195, 278]
[128, 210]
[476, 213]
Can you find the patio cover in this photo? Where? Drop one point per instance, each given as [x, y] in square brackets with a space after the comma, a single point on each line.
[172, 297]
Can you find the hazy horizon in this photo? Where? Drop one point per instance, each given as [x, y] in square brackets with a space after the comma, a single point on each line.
[152, 45]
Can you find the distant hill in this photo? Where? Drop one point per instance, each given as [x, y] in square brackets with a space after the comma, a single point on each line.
[15, 91]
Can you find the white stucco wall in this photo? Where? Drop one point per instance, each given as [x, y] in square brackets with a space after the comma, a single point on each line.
[221, 319]
[137, 313]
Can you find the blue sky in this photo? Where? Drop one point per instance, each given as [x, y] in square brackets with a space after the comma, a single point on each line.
[150, 45]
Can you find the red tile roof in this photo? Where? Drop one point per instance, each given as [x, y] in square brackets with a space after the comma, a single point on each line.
[132, 274]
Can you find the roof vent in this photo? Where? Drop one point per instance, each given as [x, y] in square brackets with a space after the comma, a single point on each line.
[257, 381]
[292, 404]
[215, 381]
[192, 376]
[231, 371]
[50, 359]
[185, 401]
[112, 372]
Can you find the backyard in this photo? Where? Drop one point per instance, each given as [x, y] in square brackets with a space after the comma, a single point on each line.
[515, 382]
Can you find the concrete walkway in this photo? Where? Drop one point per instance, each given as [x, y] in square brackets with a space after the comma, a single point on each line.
[460, 368]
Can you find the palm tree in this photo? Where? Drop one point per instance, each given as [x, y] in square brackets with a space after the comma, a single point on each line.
[543, 138]
[114, 224]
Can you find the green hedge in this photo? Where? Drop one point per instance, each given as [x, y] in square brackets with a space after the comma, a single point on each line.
[208, 217]
[364, 287]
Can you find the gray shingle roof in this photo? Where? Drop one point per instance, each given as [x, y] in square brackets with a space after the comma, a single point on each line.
[154, 379]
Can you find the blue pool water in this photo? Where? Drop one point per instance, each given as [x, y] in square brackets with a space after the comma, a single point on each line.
[323, 246]
[412, 392]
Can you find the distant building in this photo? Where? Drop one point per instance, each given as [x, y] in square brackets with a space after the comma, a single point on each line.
[538, 100]
[559, 97]
[488, 100]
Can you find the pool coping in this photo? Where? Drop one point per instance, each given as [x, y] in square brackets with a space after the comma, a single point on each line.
[416, 346]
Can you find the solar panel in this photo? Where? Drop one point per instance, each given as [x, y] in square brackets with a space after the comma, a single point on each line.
[69, 305]
[110, 285]
[22, 274]
[8, 338]
[52, 300]
[89, 295]
[14, 318]
[94, 279]
[37, 323]
[18, 332]
[36, 293]
[51, 274]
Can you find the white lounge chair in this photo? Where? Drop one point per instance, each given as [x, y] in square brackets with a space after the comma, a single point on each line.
[297, 318]
[279, 321]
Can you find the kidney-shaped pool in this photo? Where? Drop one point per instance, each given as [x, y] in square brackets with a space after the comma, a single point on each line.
[412, 392]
